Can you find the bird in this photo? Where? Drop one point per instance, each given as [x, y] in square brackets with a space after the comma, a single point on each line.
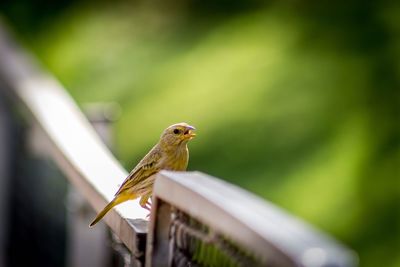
[170, 153]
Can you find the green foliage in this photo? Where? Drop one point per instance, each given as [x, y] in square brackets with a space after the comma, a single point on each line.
[297, 103]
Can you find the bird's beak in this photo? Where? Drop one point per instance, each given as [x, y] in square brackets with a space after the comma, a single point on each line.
[189, 134]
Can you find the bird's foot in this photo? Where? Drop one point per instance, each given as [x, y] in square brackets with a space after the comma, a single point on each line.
[146, 206]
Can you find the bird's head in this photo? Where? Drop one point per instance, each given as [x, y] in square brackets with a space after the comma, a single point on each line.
[177, 134]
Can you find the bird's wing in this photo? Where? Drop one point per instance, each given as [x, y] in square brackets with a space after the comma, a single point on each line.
[145, 168]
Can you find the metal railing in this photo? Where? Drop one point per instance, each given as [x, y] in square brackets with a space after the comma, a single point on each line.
[196, 220]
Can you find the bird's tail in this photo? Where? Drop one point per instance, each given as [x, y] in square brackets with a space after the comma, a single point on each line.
[117, 200]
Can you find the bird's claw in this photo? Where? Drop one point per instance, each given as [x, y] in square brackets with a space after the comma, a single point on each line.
[146, 206]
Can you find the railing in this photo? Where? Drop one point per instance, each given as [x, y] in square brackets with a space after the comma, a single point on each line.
[196, 220]
[71, 141]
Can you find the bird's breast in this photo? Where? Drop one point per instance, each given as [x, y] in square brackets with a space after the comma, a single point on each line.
[176, 160]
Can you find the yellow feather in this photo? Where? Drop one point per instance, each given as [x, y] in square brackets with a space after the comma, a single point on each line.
[117, 200]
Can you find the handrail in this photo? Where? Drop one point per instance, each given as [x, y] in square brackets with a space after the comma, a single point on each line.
[273, 236]
[70, 139]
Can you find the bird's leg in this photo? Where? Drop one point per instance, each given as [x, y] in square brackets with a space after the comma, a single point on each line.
[148, 203]
[144, 202]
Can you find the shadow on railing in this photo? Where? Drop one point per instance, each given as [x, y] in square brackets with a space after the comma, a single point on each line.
[197, 220]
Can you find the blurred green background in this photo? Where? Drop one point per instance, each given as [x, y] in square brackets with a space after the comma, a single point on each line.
[296, 101]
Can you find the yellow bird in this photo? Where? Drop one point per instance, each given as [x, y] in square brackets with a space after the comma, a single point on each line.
[170, 153]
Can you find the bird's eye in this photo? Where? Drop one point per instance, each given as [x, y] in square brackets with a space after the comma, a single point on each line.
[176, 131]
